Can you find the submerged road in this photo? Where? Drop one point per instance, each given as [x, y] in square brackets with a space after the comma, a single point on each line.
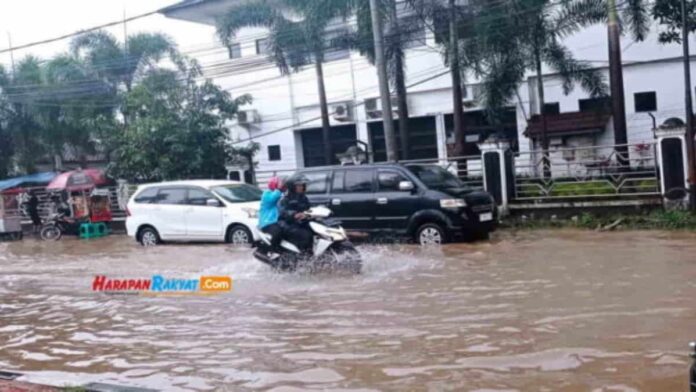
[560, 310]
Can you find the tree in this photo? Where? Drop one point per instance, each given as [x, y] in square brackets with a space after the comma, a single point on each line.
[75, 108]
[291, 44]
[6, 143]
[21, 91]
[453, 26]
[120, 64]
[525, 39]
[632, 16]
[177, 130]
[399, 34]
[668, 13]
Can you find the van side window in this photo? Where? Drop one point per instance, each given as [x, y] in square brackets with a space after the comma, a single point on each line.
[147, 196]
[358, 181]
[388, 181]
[198, 197]
[171, 196]
[317, 182]
[337, 185]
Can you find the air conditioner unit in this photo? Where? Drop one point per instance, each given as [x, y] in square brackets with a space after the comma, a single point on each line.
[342, 112]
[246, 117]
[373, 107]
[471, 95]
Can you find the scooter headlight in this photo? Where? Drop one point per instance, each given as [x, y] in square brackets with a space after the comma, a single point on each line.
[336, 234]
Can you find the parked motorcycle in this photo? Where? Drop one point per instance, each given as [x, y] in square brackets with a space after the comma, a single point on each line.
[331, 252]
[58, 224]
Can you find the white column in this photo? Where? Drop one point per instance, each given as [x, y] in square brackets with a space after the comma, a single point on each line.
[678, 134]
[441, 134]
[499, 147]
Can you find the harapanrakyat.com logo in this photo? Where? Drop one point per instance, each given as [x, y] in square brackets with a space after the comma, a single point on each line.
[159, 285]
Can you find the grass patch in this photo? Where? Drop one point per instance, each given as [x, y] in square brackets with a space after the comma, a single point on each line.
[657, 219]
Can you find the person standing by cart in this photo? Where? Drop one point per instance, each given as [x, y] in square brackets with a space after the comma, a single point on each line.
[33, 210]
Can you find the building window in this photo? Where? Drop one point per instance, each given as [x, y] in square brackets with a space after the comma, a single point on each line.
[645, 102]
[602, 104]
[332, 52]
[262, 46]
[274, 153]
[234, 51]
[552, 108]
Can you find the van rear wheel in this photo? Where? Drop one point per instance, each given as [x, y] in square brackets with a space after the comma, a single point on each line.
[431, 234]
[149, 237]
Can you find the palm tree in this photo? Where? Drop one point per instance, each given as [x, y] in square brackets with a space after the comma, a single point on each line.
[74, 107]
[21, 91]
[526, 37]
[453, 26]
[6, 144]
[399, 34]
[632, 16]
[291, 44]
[120, 63]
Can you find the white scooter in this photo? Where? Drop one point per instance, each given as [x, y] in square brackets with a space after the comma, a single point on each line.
[332, 251]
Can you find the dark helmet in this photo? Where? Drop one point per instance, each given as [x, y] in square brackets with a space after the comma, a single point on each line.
[299, 180]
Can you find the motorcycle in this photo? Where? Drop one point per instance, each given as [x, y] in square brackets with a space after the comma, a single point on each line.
[331, 252]
[58, 224]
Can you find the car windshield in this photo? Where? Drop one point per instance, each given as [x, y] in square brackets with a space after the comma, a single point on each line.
[436, 177]
[238, 193]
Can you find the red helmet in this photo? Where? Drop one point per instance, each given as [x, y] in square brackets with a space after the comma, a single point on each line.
[275, 183]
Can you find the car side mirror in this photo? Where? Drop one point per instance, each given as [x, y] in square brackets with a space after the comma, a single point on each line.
[213, 203]
[406, 186]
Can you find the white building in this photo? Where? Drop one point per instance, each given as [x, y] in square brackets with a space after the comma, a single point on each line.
[284, 117]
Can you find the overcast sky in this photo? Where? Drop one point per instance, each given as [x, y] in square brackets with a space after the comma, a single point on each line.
[34, 20]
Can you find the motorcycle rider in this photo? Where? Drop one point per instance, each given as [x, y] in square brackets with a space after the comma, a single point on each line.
[269, 212]
[292, 208]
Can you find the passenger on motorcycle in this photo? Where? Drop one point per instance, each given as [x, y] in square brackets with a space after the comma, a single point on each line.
[269, 212]
[292, 208]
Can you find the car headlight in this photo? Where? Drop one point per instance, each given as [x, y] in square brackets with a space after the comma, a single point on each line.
[452, 203]
[253, 213]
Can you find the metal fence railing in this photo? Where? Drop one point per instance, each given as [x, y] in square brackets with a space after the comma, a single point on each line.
[593, 172]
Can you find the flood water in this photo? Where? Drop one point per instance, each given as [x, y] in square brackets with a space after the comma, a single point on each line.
[556, 310]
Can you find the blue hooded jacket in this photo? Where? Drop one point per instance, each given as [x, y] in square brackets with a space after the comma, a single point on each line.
[268, 212]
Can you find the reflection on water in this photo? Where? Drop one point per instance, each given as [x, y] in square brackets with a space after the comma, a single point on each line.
[531, 311]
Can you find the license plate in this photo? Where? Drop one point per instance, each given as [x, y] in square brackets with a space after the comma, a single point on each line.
[485, 217]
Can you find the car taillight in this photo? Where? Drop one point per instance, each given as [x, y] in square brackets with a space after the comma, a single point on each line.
[128, 212]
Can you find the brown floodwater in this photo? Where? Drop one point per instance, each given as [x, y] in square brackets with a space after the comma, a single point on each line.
[556, 310]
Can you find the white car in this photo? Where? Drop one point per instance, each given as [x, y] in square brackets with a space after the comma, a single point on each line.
[195, 210]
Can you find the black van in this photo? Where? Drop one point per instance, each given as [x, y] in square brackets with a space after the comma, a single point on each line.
[423, 201]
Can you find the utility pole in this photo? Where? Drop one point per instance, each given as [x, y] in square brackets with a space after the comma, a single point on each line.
[9, 41]
[616, 84]
[392, 155]
[457, 108]
[689, 109]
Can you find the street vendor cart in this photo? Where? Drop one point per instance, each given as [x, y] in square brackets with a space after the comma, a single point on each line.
[10, 216]
[81, 207]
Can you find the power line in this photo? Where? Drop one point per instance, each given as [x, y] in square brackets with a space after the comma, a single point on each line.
[94, 28]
